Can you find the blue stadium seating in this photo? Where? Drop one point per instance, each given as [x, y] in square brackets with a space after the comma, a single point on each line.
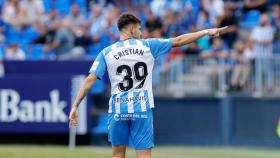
[82, 4]
[13, 35]
[63, 6]
[1, 52]
[250, 19]
[29, 34]
[48, 5]
[37, 52]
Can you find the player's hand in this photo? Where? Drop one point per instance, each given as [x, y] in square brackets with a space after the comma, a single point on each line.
[216, 31]
[73, 117]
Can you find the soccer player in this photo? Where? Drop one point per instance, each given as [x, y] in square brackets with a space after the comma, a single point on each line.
[129, 63]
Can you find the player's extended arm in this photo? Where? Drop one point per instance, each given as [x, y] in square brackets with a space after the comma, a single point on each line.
[191, 37]
[73, 116]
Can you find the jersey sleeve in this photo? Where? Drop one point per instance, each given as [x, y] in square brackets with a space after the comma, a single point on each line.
[98, 67]
[159, 46]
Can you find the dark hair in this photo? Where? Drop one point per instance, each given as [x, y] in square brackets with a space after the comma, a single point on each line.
[127, 18]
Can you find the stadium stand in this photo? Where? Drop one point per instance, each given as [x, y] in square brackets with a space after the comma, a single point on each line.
[209, 67]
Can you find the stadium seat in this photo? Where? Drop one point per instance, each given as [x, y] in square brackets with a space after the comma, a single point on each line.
[82, 4]
[250, 19]
[13, 35]
[29, 34]
[48, 5]
[37, 52]
[1, 52]
[63, 6]
[195, 6]
[101, 127]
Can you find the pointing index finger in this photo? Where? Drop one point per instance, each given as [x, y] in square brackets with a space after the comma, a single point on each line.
[223, 28]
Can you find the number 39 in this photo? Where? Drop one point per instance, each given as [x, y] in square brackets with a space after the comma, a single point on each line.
[139, 77]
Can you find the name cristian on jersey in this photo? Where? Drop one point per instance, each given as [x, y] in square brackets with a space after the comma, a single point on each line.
[128, 52]
[130, 99]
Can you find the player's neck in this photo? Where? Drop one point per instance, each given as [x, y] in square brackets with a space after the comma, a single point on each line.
[124, 36]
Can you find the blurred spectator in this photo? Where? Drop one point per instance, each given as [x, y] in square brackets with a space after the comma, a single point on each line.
[192, 49]
[218, 50]
[14, 52]
[171, 25]
[260, 5]
[32, 11]
[76, 17]
[46, 36]
[111, 29]
[51, 19]
[124, 5]
[186, 20]
[158, 8]
[97, 22]
[262, 37]
[175, 53]
[12, 13]
[64, 40]
[177, 6]
[153, 25]
[163, 18]
[215, 9]
[276, 25]
[228, 19]
[242, 54]
[218, 56]
[203, 21]
[82, 38]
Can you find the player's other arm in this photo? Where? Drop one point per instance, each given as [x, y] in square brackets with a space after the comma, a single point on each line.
[191, 37]
[89, 81]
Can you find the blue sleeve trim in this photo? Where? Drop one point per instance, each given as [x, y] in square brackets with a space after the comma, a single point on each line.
[98, 67]
[119, 44]
[132, 42]
[107, 50]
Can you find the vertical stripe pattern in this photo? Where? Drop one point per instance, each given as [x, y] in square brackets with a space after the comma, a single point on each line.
[130, 104]
[123, 103]
[121, 58]
[147, 99]
[136, 104]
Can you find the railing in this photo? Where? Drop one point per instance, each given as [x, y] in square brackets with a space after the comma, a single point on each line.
[196, 76]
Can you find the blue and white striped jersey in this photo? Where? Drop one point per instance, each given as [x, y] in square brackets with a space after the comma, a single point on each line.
[129, 64]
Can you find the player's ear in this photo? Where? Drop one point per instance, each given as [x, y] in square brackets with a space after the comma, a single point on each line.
[131, 29]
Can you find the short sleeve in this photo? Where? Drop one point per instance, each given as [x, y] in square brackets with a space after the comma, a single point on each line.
[159, 46]
[98, 67]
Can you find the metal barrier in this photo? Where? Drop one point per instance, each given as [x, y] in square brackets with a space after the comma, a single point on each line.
[193, 76]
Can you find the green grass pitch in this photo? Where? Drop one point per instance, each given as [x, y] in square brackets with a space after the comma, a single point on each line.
[27, 151]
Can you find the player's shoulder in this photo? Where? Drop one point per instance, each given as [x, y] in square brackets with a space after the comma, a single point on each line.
[106, 50]
[156, 40]
[148, 41]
